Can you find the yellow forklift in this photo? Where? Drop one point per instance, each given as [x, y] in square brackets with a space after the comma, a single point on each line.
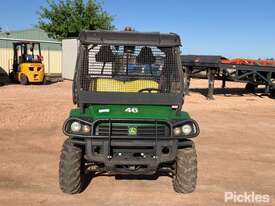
[27, 63]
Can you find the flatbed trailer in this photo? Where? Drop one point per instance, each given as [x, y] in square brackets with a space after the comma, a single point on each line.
[220, 68]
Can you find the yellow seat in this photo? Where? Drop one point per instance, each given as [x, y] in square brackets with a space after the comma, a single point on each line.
[112, 85]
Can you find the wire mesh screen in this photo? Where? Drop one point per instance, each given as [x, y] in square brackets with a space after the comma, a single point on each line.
[113, 68]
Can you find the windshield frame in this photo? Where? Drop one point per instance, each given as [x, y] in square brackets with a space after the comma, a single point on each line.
[82, 97]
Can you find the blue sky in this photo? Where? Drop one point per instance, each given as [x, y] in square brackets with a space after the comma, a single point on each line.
[235, 28]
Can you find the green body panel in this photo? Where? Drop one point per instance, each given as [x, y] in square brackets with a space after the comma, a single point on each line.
[158, 112]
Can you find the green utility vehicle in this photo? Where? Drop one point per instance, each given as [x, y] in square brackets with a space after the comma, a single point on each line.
[128, 88]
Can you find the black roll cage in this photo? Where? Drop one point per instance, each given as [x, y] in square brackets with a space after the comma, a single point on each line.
[86, 38]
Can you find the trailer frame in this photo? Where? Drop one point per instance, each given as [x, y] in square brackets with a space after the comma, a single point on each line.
[213, 69]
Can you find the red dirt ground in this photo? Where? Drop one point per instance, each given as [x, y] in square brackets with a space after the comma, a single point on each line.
[236, 151]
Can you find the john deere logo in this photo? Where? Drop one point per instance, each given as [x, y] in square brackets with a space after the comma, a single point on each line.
[132, 131]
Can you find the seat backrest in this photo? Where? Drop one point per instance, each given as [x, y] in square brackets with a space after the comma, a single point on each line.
[146, 56]
[105, 54]
[112, 85]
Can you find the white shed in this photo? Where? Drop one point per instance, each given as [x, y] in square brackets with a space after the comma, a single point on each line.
[69, 56]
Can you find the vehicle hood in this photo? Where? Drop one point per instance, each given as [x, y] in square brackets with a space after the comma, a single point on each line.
[159, 112]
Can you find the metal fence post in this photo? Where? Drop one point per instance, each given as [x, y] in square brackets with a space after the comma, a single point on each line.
[187, 80]
[211, 79]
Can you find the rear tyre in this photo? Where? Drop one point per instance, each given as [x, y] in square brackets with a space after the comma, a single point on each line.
[185, 177]
[251, 88]
[23, 79]
[45, 81]
[71, 174]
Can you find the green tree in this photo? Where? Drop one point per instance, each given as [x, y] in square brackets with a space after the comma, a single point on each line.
[0, 29]
[66, 18]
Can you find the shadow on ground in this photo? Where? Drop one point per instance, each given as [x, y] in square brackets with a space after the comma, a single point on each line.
[88, 178]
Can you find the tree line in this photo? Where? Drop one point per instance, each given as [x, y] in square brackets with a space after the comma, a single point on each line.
[66, 18]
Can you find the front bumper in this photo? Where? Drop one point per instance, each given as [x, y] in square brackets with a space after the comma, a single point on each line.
[129, 154]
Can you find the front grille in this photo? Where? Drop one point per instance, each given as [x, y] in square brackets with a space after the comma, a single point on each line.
[123, 130]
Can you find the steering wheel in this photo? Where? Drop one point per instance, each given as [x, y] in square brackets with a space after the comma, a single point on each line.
[149, 90]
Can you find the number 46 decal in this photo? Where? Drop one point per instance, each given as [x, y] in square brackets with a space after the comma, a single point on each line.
[131, 110]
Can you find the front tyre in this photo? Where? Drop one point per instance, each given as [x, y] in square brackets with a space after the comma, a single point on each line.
[185, 177]
[71, 168]
[23, 79]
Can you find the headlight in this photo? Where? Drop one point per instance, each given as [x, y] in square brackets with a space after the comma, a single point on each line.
[177, 131]
[186, 129]
[86, 128]
[75, 127]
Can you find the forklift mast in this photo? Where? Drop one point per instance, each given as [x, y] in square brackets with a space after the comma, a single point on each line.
[26, 54]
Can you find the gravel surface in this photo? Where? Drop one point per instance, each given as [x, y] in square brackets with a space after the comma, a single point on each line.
[236, 150]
